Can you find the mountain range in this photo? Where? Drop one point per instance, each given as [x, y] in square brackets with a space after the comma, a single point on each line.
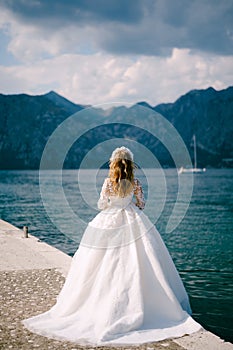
[27, 122]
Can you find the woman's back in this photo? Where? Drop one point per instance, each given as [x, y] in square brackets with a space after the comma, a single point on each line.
[109, 197]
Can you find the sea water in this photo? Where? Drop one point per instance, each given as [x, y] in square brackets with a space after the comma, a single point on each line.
[201, 245]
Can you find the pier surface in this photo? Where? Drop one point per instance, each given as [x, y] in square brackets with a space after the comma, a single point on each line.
[32, 274]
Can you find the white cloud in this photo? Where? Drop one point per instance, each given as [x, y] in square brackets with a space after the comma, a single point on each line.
[29, 42]
[69, 57]
[42, 29]
[101, 78]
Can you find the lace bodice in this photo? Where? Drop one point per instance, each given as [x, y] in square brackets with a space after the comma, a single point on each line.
[107, 196]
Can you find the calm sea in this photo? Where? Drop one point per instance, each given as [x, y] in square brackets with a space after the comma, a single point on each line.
[201, 246]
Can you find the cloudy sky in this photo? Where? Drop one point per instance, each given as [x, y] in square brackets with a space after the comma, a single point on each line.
[98, 51]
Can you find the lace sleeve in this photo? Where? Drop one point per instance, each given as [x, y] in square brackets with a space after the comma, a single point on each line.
[138, 192]
[104, 196]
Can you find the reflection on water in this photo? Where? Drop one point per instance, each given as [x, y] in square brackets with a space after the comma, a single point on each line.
[201, 246]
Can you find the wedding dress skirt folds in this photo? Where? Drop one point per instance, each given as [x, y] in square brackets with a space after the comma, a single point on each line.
[122, 287]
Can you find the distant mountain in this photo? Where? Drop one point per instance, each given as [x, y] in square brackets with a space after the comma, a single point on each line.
[26, 122]
[209, 115]
[62, 102]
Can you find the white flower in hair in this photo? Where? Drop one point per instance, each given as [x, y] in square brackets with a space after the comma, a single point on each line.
[121, 153]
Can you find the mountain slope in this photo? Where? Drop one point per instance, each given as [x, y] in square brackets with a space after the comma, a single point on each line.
[62, 102]
[26, 122]
[209, 115]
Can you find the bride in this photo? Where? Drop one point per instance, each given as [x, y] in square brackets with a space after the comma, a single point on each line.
[122, 287]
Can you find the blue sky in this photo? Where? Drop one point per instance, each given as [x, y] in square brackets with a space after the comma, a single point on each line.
[98, 51]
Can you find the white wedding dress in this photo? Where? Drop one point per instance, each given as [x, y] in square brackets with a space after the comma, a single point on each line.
[122, 287]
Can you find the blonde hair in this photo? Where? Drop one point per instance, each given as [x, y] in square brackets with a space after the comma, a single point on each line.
[121, 175]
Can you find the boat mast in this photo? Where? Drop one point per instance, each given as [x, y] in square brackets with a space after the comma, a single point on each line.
[195, 151]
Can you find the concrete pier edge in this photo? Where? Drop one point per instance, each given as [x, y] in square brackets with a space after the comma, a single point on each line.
[20, 254]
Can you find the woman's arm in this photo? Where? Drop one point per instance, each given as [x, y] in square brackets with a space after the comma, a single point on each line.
[138, 192]
[104, 196]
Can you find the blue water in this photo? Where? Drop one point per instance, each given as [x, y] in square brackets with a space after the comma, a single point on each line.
[201, 246]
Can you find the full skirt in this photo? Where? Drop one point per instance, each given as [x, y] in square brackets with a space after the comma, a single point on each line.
[122, 287]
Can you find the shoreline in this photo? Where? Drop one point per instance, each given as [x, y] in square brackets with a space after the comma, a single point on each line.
[32, 274]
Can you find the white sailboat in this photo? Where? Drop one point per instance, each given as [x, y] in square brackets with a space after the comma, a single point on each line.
[195, 169]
